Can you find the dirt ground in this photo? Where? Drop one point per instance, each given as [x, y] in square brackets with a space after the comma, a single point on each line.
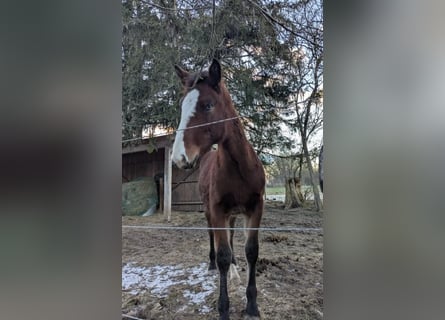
[165, 271]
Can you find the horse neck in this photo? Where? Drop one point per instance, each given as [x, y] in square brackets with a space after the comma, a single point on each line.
[234, 145]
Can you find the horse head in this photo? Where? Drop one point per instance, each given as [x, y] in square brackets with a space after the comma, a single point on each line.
[204, 101]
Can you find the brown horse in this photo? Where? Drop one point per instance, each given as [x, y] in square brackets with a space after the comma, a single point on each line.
[231, 177]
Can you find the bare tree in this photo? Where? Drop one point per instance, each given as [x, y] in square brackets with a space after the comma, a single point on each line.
[308, 91]
[287, 168]
[300, 24]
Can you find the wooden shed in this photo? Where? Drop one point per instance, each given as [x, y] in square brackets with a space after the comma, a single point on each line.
[177, 189]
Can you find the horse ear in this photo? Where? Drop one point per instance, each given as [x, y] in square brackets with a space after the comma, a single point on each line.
[215, 73]
[182, 74]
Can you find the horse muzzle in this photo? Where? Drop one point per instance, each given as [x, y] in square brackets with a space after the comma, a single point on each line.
[182, 163]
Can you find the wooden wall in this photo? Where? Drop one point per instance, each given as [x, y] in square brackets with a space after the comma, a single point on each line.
[185, 193]
[142, 164]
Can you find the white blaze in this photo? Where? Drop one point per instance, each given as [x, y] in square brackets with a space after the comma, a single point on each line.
[188, 109]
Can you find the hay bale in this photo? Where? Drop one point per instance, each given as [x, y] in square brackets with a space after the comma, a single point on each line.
[139, 196]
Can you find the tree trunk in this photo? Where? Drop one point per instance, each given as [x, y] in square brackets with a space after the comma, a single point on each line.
[317, 199]
[298, 187]
[300, 166]
[293, 193]
[321, 168]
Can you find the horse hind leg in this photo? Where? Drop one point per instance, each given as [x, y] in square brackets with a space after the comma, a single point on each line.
[212, 256]
[233, 272]
[232, 232]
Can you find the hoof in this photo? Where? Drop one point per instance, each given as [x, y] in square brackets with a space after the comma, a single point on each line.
[251, 317]
[255, 316]
[212, 266]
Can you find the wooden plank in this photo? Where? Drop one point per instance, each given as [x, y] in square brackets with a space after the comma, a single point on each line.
[141, 145]
[184, 203]
[134, 149]
[183, 182]
[167, 183]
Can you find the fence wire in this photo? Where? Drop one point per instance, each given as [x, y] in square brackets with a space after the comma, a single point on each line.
[277, 229]
[188, 128]
[130, 317]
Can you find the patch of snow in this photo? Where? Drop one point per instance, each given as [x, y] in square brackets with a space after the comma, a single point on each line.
[159, 279]
[275, 197]
[204, 309]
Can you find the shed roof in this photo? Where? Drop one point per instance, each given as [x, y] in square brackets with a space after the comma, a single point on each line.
[158, 142]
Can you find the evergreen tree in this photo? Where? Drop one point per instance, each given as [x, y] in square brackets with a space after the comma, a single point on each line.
[271, 53]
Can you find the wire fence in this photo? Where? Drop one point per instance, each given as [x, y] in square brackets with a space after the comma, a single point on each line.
[169, 131]
[127, 316]
[188, 128]
[273, 229]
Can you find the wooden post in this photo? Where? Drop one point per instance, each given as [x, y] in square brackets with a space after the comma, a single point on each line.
[161, 195]
[167, 184]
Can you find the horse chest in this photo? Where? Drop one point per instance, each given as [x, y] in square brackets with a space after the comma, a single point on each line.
[233, 202]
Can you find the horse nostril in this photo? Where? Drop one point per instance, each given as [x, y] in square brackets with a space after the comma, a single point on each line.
[185, 165]
[180, 162]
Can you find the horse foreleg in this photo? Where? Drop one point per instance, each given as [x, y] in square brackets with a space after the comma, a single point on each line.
[251, 250]
[223, 260]
[251, 290]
